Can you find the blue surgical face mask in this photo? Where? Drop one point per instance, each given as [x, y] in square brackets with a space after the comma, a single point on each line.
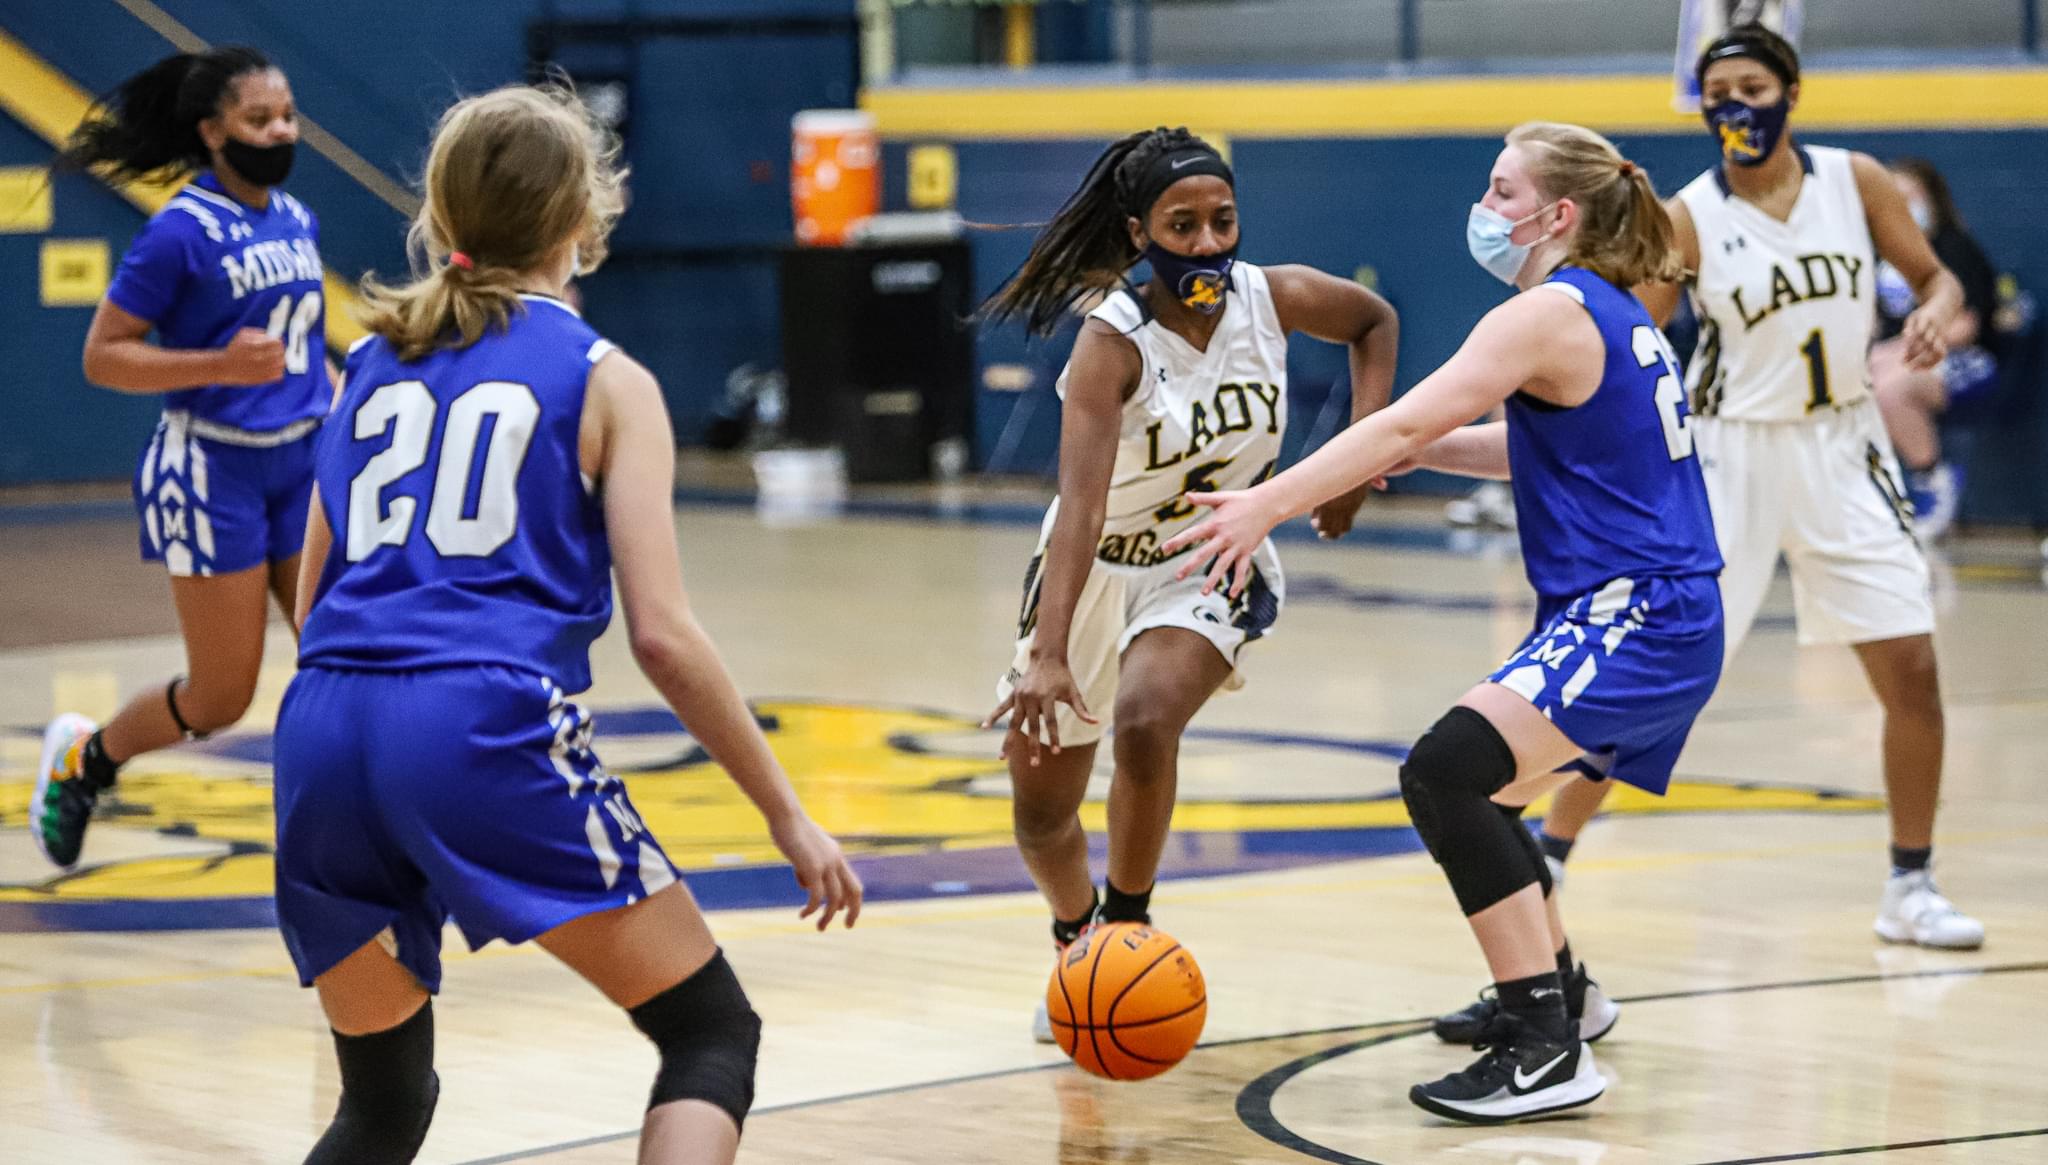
[1486, 236]
[1199, 281]
[1748, 133]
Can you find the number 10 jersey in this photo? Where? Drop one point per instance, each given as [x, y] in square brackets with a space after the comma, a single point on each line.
[464, 531]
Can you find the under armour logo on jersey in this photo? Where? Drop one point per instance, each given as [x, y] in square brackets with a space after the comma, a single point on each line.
[1730, 246]
[1162, 376]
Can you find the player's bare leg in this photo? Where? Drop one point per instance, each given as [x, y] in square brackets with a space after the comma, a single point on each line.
[222, 618]
[1167, 674]
[1045, 811]
[1904, 674]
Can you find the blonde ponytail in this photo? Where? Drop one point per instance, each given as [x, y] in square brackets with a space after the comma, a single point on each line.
[513, 176]
[1624, 234]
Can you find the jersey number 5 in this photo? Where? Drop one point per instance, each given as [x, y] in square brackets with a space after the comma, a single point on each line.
[1653, 350]
[456, 527]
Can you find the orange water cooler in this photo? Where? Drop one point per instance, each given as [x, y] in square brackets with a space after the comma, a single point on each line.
[835, 173]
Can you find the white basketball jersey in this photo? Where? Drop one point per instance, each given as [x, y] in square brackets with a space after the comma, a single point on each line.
[1786, 308]
[1198, 420]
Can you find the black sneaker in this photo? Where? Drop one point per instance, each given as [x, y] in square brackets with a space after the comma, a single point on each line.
[1522, 1075]
[63, 801]
[1479, 1024]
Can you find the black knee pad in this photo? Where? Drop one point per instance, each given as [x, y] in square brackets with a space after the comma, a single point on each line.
[1460, 756]
[708, 1036]
[1446, 781]
[388, 1092]
[1513, 813]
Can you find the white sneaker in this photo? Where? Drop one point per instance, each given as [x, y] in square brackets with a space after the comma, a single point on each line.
[1914, 911]
[1491, 504]
[1599, 1013]
[1041, 1025]
[1936, 508]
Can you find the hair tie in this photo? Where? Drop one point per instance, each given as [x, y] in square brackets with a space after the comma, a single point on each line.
[458, 259]
[1628, 168]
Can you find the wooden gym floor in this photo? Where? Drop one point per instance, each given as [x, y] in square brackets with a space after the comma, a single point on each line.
[147, 1014]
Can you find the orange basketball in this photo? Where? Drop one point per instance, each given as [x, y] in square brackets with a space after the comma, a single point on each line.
[1127, 1002]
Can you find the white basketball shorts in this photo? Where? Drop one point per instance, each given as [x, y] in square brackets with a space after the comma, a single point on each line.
[1826, 493]
[1118, 604]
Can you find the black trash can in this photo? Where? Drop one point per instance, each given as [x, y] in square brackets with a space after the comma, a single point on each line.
[879, 358]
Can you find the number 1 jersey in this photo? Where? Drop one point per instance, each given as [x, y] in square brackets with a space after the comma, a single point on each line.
[205, 267]
[464, 531]
[1786, 307]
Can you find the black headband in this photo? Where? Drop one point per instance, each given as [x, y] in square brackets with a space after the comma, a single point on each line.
[1762, 52]
[1144, 188]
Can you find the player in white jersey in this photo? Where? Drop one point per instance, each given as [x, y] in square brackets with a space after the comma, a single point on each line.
[1784, 241]
[1176, 385]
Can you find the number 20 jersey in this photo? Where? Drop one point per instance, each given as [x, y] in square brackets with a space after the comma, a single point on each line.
[1207, 420]
[1610, 488]
[1786, 308]
[464, 531]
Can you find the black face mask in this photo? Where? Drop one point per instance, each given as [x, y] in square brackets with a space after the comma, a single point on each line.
[263, 165]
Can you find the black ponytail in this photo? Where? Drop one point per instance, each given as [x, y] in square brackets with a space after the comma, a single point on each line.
[1086, 246]
[148, 127]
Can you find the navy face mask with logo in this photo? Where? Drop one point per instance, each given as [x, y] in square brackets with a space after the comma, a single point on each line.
[1748, 133]
[1199, 281]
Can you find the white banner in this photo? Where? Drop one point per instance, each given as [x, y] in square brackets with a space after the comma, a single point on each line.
[1700, 21]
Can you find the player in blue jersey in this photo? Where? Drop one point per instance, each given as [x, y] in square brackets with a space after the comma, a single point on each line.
[491, 462]
[1618, 543]
[227, 275]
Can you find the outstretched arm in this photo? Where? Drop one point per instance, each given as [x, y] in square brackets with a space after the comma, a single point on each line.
[1473, 451]
[1540, 341]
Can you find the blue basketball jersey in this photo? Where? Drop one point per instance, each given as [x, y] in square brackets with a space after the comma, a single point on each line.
[207, 266]
[464, 531]
[1610, 488]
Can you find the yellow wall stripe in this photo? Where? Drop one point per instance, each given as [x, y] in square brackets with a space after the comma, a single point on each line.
[1885, 99]
[46, 101]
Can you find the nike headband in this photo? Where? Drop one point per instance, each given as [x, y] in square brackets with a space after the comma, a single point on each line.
[1144, 188]
[1759, 44]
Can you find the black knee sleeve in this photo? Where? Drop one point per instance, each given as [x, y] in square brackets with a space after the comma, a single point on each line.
[1446, 781]
[708, 1036]
[388, 1090]
[178, 717]
[1513, 813]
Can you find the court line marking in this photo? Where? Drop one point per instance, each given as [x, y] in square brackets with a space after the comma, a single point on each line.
[1028, 906]
[1255, 1101]
[1818, 1153]
[1403, 1028]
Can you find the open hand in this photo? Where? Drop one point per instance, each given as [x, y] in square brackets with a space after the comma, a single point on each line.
[1034, 701]
[821, 869]
[1925, 344]
[1237, 525]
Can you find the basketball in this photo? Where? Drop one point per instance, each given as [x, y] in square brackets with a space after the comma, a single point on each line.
[1127, 1002]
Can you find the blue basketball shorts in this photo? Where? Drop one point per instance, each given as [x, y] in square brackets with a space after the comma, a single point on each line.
[405, 798]
[211, 506]
[1624, 671]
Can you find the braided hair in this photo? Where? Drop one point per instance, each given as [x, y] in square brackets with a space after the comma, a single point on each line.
[1086, 246]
